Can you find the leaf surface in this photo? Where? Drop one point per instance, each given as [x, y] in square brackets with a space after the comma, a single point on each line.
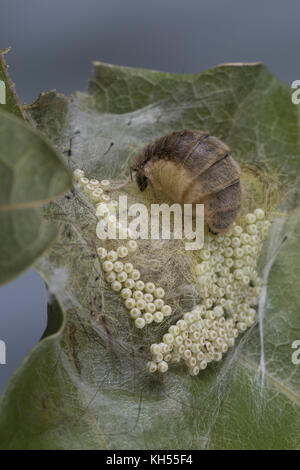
[85, 386]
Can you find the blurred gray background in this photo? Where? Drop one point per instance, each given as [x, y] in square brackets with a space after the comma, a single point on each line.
[54, 41]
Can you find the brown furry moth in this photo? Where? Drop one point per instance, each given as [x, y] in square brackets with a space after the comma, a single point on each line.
[191, 167]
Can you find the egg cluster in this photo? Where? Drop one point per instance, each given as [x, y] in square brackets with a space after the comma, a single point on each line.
[229, 287]
[143, 300]
[227, 281]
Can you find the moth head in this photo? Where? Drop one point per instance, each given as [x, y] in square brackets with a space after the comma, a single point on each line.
[138, 174]
[137, 171]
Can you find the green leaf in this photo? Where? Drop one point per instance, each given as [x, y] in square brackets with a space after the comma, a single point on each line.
[85, 386]
[12, 104]
[31, 174]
